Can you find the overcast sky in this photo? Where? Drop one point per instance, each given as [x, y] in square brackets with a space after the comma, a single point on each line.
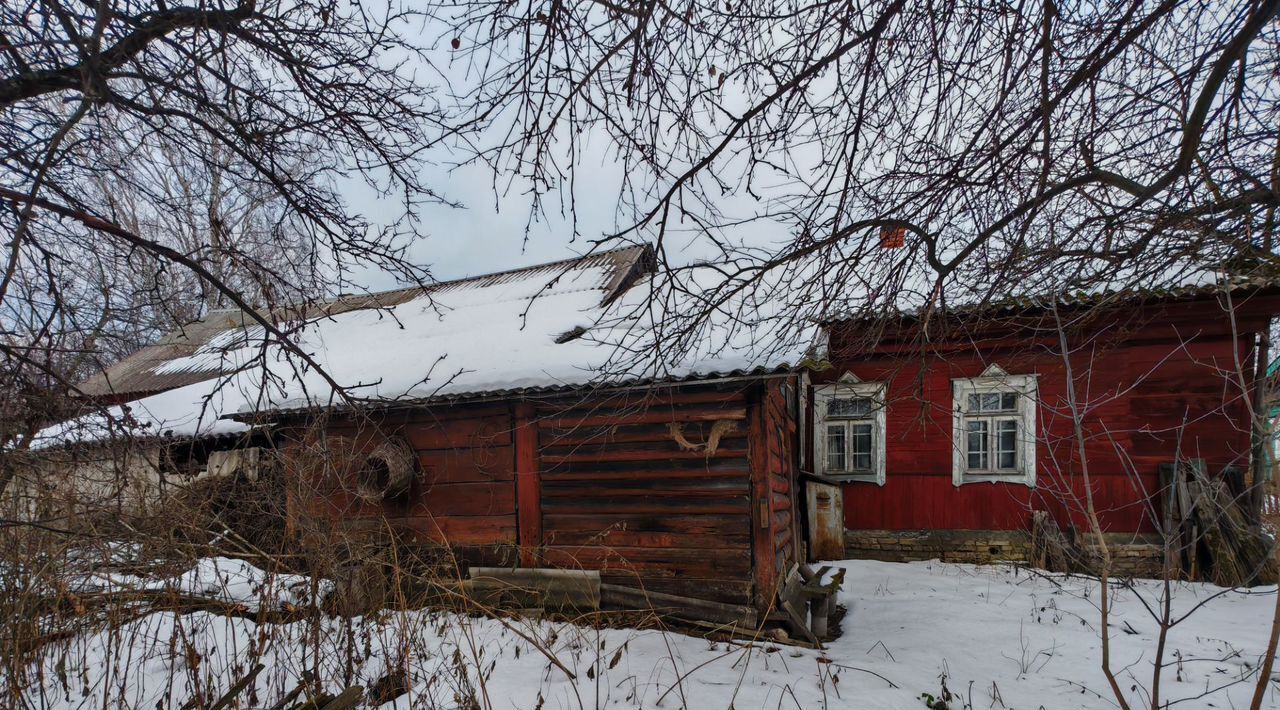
[488, 233]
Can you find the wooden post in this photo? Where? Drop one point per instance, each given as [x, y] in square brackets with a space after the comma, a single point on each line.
[528, 485]
[766, 577]
[1260, 430]
[820, 610]
[789, 466]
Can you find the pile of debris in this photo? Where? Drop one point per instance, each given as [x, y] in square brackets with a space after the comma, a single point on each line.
[1210, 532]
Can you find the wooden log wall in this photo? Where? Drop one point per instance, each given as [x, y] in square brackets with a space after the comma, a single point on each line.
[464, 495]
[653, 490]
[778, 527]
[682, 490]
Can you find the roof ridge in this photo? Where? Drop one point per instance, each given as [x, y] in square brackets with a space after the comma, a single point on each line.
[533, 267]
[323, 303]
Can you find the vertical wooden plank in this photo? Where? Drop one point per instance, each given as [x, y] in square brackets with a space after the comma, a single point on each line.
[762, 552]
[528, 485]
[792, 467]
[778, 431]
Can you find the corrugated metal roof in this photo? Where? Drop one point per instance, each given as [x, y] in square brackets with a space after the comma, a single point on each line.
[1017, 303]
[609, 384]
[1236, 284]
[169, 363]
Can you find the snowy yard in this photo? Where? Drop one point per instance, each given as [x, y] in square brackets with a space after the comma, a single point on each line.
[996, 636]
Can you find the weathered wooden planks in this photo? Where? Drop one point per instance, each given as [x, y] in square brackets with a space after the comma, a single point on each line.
[628, 598]
[654, 491]
[564, 589]
[464, 493]
[528, 484]
[773, 475]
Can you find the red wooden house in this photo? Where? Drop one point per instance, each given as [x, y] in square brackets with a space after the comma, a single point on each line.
[493, 421]
[948, 434]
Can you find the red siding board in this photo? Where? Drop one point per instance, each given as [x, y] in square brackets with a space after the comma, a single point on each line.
[1153, 384]
[463, 499]
[481, 432]
[468, 465]
[446, 530]
[656, 488]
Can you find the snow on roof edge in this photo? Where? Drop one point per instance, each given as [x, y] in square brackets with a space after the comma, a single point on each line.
[295, 407]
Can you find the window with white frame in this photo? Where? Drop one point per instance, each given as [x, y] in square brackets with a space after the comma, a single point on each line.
[849, 429]
[994, 420]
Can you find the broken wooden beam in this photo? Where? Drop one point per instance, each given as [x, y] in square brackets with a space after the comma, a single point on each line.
[564, 589]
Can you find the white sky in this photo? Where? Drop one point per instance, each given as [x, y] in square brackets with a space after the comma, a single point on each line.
[488, 233]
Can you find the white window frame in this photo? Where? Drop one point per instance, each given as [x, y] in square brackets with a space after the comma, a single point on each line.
[850, 386]
[993, 380]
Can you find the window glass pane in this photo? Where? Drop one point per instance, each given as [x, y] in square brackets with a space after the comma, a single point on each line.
[988, 402]
[860, 447]
[835, 447]
[981, 402]
[977, 445]
[1007, 443]
[850, 407]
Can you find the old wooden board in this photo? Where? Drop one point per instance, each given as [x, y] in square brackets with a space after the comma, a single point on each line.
[564, 589]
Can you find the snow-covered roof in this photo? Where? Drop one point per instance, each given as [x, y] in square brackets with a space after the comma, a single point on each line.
[910, 291]
[193, 410]
[193, 352]
[575, 323]
[602, 319]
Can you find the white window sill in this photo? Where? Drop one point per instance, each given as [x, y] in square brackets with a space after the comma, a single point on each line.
[1020, 478]
[854, 477]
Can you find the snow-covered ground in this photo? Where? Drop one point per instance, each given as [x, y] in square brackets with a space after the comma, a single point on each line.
[996, 636]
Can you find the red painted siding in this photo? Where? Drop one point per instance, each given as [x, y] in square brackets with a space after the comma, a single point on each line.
[1152, 382]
